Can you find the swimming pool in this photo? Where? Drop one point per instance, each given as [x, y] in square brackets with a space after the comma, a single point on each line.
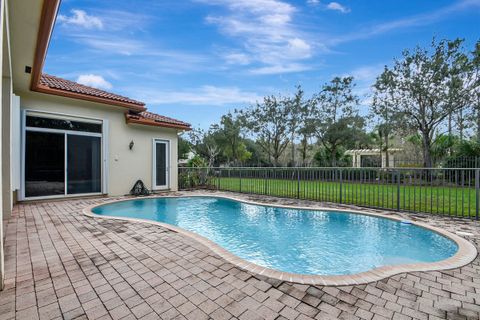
[299, 241]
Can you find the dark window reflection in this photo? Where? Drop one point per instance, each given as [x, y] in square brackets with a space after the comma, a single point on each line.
[84, 164]
[44, 164]
[161, 170]
[39, 122]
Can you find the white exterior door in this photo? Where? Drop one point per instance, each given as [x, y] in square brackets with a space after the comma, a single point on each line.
[161, 164]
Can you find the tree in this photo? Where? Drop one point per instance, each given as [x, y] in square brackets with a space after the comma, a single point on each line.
[231, 141]
[337, 116]
[205, 144]
[184, 147]
[346, 131]
[381, 140]
[429, 85]
[383, 110]
[269, 122]
[307, 128]
[439, 148]
[462, 122]
[474, 116]
[213, 150]
[467, 149]
[197, 162]
[296, 107]
[257, 158]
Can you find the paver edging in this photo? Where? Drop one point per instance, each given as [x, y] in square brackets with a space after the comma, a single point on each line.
[465, 254]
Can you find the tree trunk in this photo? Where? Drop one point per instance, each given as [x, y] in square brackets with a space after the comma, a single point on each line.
[333, 155]
[387, 156]
[275, 160]
[234, 151]
[293, 149]
[304, 150]
[460, 124]
[478, 122]
[450, 124]
[427, 157]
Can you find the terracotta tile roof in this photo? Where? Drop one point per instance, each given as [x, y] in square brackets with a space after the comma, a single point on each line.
[70, 86]
[153, 119]
[136, 114]
[159, 118]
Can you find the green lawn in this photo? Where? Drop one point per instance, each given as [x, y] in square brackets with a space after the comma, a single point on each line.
[453, 200]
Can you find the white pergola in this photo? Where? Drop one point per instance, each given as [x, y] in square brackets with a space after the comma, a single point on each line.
[358, 153]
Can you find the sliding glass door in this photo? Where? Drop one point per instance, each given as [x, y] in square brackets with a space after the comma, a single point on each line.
[44, 164]
[83, 164]
[62, 156]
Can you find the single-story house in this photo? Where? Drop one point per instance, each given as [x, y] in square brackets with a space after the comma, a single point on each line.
[63, 139]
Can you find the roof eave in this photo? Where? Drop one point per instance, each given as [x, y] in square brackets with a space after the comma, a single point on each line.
[47, 22]
[147, 122]
[80, 96]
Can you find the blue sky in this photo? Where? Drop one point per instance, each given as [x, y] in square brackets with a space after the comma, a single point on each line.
[197, 59]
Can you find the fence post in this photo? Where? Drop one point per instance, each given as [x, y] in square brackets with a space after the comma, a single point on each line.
[477, 192]
[190, 178]
[240, 174]
[298, 183]
[219, 178]
[398, 189]
[265, 182]
[341, 184]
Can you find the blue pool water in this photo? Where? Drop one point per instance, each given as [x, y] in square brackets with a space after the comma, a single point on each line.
[293, 240]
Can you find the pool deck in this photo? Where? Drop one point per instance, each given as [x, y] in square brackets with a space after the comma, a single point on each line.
[61, 264]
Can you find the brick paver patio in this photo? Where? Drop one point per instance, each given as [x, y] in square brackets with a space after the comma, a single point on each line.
[61, 264]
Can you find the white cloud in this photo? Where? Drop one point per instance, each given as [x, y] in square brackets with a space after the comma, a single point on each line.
[144, 53]
[80, 18]
[280, 69]
[254, 6]
[338, 7]
[111, 44]
[265, 31]
[93, 80]
[313, 2]
[408, 22]
[299, 48]
[118, 20]
[367, 73]
[205, 95]
[237, 58]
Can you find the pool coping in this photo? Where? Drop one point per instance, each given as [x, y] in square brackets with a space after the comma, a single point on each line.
[465, 254]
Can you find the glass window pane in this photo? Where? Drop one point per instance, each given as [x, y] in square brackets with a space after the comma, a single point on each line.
[84, 164]
[44, 164]
[161, 162]
[61, 124]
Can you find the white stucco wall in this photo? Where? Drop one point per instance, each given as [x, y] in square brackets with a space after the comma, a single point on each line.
[125, 166]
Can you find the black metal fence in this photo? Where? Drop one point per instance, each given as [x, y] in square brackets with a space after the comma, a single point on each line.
[375, 161]
[449, 162]
[451, 192]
